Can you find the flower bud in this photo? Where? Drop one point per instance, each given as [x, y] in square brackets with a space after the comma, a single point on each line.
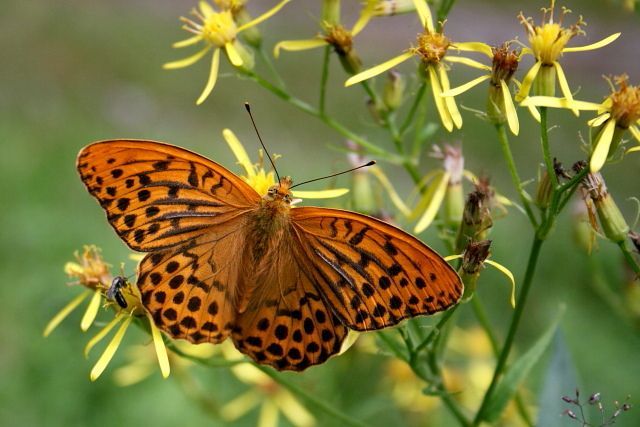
[544, 191]
[252, 34]
[584, 225]
[505, 64]
[473, 258]
[393, 90]
[248, 60]
[453, 162]
[476, 217]
[363, 197]
[342, 42]
[613, 224]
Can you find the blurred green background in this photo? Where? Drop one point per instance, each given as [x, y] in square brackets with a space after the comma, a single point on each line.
[75, 71]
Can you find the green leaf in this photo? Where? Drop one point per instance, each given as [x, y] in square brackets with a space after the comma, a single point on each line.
[518, 372]
[560, 379]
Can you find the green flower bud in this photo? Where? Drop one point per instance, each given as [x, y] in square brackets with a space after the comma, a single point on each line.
[393, 90]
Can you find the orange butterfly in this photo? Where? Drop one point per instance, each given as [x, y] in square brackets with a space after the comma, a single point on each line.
[285, 283]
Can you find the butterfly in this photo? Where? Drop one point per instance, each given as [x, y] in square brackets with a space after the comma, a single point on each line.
[285, 283]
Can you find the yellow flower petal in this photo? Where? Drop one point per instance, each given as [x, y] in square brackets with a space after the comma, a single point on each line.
[240, 405]
[474, 47]
[91, 312]
[525, 88]
[553, 102]
[437, 196]
[425, 14]
[62, 314]
[378, 69]
[525, 51]
[206, 9]
[161, 350]
[601, 150]
[187, 42]
[320, 194]
[187, 61]
[393, 195]
[449, 101]
[297, 45]
[564, 87]
[264, 16]
[452, 257]
[633, 149]
[293, 410]
[636, 134]
[465, 87]
[510, 109]
[594, 123]
[364, 18]
[102, 333]
[468, 62]
[238, 150]
[504, 270]
[441, 106]
[234, 56]
[535, 113]
[213, 77]
[596, 45]
[269, 415]
[106, 357]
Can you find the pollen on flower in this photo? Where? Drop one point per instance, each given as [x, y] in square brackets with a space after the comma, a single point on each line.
[217, 28]
[432, 47]
[549, 39]
[340, 38]
[625, 103]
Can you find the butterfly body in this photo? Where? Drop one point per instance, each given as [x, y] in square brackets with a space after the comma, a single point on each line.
[284, 283]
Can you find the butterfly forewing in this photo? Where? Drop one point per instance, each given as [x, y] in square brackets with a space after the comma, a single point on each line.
[157, 195]
[373, 274]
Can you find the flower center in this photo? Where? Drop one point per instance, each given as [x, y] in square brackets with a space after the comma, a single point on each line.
[549, 39]
[432, 47]
[505, 64]
[339, 38]
[625, 108]
[219, 28]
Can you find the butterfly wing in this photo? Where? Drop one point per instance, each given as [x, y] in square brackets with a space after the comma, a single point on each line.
[189, 213]
[287, 323]
[157, 195]
[371, 273]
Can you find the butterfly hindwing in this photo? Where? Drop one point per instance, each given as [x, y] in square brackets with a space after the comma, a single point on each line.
[287, 323]
[157, 195]
[373, 274]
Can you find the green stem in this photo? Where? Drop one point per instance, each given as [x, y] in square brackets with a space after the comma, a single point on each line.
[481, 315]
[546, 152]
[272, 69]
[628, 256]
[434, 332]
[511, 165]
[513, 327]
[323, 80]
[311, 400]
[414, 107]
[303, 106]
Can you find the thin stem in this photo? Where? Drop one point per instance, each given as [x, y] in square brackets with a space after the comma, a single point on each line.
[546, 153]
[434, 332]
[272, 69]
[513, 327]
[323, 80]
[481, 315]
[412, 111]
[628, 256]
[310, 398]
[511, 165]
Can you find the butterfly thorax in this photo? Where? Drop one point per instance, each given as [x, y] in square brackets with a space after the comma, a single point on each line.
[268, 233]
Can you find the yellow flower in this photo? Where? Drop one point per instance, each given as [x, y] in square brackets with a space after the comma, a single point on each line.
[217, 30]
[432, 47]
[547, 44]
[92, 272]
[500, 107]
[258, 178]
[619, 112]
[272, 398]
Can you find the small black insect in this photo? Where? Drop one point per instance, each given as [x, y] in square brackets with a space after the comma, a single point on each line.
[115, 291]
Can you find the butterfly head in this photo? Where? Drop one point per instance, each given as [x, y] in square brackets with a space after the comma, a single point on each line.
[280, 191]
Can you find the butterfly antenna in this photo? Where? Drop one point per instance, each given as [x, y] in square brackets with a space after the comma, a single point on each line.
[248, 108]
[371, 163]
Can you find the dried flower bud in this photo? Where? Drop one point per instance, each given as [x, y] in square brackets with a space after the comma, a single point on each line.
[635, 239]
[571, 414]
[613, 224]
[505, 64]
[594, 398]
[341, 40]
[472, 262]
[476, 217]
[567, 399]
